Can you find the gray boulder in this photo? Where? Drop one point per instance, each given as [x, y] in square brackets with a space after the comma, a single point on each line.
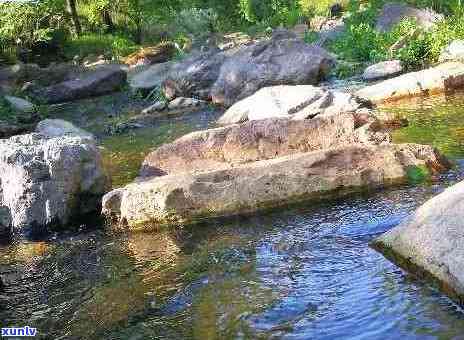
[278, 61]
[393, 13]
[182, 104]
[151, 78]
[194, 76]
[156, 107]
[102, 80]
[49, 180]
[430, 244]
[453, 52]
[286, 101]
[383, 70]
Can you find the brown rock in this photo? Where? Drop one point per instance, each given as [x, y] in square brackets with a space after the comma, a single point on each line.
[252, 141]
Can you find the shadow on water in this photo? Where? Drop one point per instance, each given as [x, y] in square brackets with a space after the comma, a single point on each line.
[303, 272]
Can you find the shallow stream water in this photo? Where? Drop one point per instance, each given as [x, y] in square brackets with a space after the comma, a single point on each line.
[303, 272]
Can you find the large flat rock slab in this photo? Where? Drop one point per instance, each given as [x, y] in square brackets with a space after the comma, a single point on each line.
[445, 77]
[430, 243]
[256, 140]
[187, 198]
[151, 78]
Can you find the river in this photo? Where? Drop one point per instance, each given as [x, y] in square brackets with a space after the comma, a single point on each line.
[301, 272]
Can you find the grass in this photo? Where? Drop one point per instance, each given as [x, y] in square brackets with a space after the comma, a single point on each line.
[109, 45]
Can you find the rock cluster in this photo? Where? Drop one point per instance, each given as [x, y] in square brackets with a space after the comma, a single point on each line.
[262, 163]
[226, 78]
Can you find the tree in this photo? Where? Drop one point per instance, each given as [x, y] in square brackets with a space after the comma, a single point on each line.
[71, 4]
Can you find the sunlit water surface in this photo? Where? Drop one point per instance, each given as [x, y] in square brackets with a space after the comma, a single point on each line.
[304, 272]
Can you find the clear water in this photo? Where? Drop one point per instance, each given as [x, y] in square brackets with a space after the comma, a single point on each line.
[304, 272]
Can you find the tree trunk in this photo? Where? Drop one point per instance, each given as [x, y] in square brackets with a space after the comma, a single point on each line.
[107, 20]
[74, 17]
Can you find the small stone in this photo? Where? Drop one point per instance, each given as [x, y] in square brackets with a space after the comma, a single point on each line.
[383, 70]
[156, 107]
[185, 103]
[20, 104]
[58, 127]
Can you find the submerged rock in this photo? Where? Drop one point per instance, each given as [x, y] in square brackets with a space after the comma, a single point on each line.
[393, 13]
[256, 140]
[283, 60]
[442, 78]
[430, 243]
[186, 198]
[383, 70]
[102, 80]
[297, 102]
[51, 128]
[49, 179]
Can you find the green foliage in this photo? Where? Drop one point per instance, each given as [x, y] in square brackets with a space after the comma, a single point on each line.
[417, 174]
[196, 22]
[6, 112]
[272, 13]
[100, 44]
[26, 23]
[363, 43]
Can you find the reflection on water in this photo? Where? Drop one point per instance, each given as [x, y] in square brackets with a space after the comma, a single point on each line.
[436, 120]
[304, 272]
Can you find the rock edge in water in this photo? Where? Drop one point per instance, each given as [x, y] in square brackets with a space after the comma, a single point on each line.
[430, 244]
[442, 78]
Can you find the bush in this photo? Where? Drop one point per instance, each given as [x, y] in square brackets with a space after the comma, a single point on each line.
[362, 43]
